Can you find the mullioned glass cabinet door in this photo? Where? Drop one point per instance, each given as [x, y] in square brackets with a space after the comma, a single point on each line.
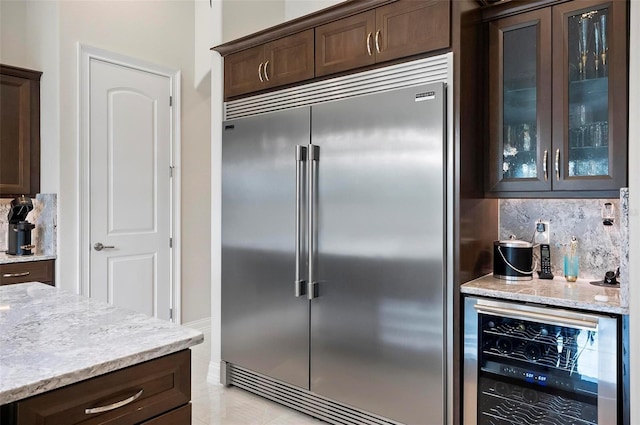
[590, 95]
[520, 102]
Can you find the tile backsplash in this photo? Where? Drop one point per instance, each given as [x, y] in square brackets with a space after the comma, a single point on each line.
[43, 215]
[600, 248]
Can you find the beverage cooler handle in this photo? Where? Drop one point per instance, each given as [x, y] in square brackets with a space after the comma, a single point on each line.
[550, 319]
[314, 158]
[301, 157]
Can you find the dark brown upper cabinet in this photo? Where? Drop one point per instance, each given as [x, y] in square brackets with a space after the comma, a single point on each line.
[345, 44]
[396, 30]
[19, 131]
[408, 28]
[520, 102]
[590, 103]
[283, 61]
[558, 101]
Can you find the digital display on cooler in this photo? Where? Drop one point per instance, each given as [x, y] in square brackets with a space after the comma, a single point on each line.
[535, 378]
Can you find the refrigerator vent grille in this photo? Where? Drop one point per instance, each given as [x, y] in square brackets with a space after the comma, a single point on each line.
[422, 71]
[300, 399]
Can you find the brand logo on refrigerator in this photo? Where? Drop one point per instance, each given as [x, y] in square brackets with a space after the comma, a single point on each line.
[425, 96]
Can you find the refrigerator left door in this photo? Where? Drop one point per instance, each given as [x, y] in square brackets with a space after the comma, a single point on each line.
[265, 327]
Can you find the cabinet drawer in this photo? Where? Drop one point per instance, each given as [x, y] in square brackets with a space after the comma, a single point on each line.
[127, 396]
[30, 271]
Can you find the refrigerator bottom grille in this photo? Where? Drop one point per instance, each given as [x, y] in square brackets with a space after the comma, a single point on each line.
[301, 399]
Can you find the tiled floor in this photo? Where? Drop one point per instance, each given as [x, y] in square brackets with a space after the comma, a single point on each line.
[217, 405]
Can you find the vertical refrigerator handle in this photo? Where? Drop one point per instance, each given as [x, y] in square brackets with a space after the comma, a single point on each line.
[301, 156]
[314, 158]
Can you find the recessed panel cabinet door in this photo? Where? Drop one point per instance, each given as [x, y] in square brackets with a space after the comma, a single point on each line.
[19, 131]
[407, 28]
[345, 44]
[289, 59]
[243, 72]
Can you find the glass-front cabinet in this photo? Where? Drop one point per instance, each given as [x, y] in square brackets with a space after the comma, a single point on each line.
[558, 100]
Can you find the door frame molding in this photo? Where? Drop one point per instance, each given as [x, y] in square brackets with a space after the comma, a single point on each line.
[86, 54]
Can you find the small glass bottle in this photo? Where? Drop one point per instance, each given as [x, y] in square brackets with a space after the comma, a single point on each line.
[571, 263]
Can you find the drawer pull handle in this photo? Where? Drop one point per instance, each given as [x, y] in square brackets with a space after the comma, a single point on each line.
[113, 406]
[16, 274]
[369, 44]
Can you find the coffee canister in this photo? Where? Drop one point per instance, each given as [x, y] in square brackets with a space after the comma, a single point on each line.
[513, 260]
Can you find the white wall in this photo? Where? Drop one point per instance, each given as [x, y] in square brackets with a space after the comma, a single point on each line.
[634, 205]
[216, 191]
[244, 17]
[296, 8]
[42, 35]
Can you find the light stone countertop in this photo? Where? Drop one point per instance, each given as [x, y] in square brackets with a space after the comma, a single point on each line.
[50, 338]
[8, 259]
[556, 292]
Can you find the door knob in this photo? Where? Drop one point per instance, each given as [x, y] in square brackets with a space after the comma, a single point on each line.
[100, 247]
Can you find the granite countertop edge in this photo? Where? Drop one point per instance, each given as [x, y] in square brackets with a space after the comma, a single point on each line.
[11, 259]
[59, 381]
[51, 338]
[485, 286]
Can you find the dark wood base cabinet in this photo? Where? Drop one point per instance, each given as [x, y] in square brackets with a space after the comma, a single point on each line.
[28, 271]
[179, 416]
[156, 392]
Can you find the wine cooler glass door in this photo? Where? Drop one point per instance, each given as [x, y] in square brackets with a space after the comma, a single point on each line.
[539, 366]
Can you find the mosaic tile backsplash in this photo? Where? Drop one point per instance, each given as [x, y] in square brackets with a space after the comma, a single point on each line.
[600, 248]
[43, 215]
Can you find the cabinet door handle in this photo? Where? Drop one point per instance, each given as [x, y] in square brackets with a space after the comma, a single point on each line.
[21, 274]
[551, 319]
[115, 405]
[266, 73]
[369, 44]
[558, 164]
[378, 41]
[544, 165]
[260, 72]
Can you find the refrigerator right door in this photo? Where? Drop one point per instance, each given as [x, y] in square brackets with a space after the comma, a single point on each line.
[377, 324]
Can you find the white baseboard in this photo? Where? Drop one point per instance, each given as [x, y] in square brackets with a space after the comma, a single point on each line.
[213, 376]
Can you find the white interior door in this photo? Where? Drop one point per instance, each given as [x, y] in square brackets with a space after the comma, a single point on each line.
[130, 188]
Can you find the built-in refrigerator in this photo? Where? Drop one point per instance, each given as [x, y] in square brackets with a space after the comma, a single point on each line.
[334, 247]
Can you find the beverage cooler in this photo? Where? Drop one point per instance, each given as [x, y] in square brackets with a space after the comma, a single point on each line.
[528, 364]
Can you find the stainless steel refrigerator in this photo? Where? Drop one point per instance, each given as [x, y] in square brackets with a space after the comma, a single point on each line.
[333, 253]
